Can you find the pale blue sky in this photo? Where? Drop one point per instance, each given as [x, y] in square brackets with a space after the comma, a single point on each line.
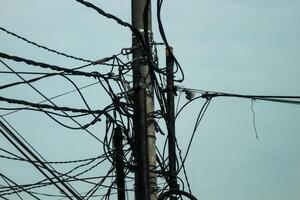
[248, 47]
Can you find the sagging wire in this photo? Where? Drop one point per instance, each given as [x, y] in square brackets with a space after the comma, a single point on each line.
[253, 119]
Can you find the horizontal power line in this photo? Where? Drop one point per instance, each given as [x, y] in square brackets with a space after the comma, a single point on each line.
[290, 99]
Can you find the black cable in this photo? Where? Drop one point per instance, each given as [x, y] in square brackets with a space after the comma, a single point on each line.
[135, 31]
[26, 73]
[59, 73]
[108, 193]
[7, 134]
[18, 186]
[61, 196]
[48, 66]
[211, 94]
[260, 97]
[47, 113]
[198, 120]
[16, 109]
[53, 171]
[46, 98]
[31, 104]
[279, 101]
[170, 193]
[47, 75]
[82, 97]
[54, 97]
[28, 81]
[4, 178]
[270, 98]
[113, 17]
[28, 187]
[81, 126]
[164, 38]
[60, 175]
[43, 47]
[94, 189]
[187, 103]
[102, 12]
[110, 92]
[46, 106]
[10, 153]
[18, 158]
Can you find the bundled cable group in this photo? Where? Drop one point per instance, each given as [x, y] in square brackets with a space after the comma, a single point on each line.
[110, 75]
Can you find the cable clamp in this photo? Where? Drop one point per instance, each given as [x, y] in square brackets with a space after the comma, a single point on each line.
[127, 51]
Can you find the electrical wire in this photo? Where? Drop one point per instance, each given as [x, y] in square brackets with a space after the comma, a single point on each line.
[253, 119]
[15, 141]
[198, 120]
[48, 66]
[118, 113]
[43, 47]
[51, 98]
[164, 38]
[17, 186]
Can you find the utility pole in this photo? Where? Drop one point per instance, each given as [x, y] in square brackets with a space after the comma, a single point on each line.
[118, 162]
[171, 121]
[143, 122]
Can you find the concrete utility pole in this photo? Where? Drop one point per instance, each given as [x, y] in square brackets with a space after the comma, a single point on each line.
[171, 121]
[144, 131]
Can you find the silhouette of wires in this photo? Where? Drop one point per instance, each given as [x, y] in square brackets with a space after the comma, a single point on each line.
[105, 83]
[43, 47]
[117, 112]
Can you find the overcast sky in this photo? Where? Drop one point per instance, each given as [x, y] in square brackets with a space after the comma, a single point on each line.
[235, 46]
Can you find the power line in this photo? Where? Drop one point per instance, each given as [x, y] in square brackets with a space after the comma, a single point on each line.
[54, 97]
[48, 66]
[163, 35]
[43, 47]
[17, 187]
[15, 142]
[118, 113]
[52, 162]
[134, 30]
[105, 14]
[290, 99]
[46, 106]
